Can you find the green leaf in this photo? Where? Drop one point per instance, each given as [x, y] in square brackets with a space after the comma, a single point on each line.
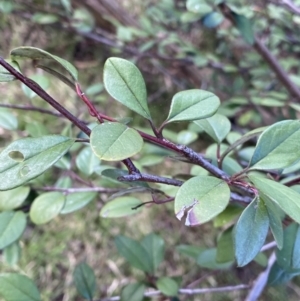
[251, 231]
[76, 201]
[134, 253]
[12, 199]
[227, 215]
[207, 259]
[8, 121]
[120, 207]
[197, 6]
[86, 161]
[279, 275]
[41, 80]
[41, 18]
[124, 82]
[12, 254]
[212, 19]
[217, 127]
[203, 197]
[12, 225]
[244, 25]
[225, 249]
[155, 247]
[276, 147]
[186, 137]
[115, 141]
[85, 280]
[16, 287]
[27, 158]
[39, 54]
[167, 286]
[133, 292]
[286, 198]
[5, 75]
[46, 207]
[275, 222]
[289, 256]
[83, 21]
[190, 251]
[192, 105]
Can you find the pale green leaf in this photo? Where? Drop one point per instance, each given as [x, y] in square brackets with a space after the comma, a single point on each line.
[121, 206]
[46, 207]
[192, 105]
[12, 254]
[133, 292]
[167, 286]
[251, 231]
[12, 225]
[124, 82]
[212, 19]
[115, 141]
[207, 259]
[203, 198]
[225, 249]
[5, 75]
[76, 201]
[27, 158]
[17, 287]
[198, 6]
[278, 146]
[186, 137]
[8, 121]
[11, 199]
[87, 161]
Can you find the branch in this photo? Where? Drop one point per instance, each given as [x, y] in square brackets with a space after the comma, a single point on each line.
[190, 292]
[291, 6]
[73, 190]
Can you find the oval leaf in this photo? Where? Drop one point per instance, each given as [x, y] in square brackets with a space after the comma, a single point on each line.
[244, 25]
[12, 253]
[203, 197]
[134, 253]
[208, 259]
[212, 19]
[12, 225]
[38, 155]
[286, 198]
[46, 206]
[192, 105]
[86, 161]
[39, 54]
[133, 292]
[12, 199]
[124, 82]
[217, 127]
[115, 141]
[8, 121]
[119, 207]
[78, 200]
[15, 287]
[276, 147]
[85, 280]
[167, 286]
[251, 231]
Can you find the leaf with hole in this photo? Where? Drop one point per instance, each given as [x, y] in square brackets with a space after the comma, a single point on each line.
[216, 126]
[286, 198]
[278, 146]
[85, 280]
[202, 198]
[27, 158]
[12, 225]
[192, 105]
[27, 52]
[17, 287]
[46, 207]
[115, 141]
[251, 231]
[124, 82]
[11, 199]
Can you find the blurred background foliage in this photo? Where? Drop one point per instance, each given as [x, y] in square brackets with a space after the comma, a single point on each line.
[177, 45]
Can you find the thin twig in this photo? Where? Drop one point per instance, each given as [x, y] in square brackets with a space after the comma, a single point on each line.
[74, 190]
[295, 9]
[268, 246]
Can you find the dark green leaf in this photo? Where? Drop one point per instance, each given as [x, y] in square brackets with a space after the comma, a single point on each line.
[134, 253]
[115, 141]
[203, 197]
[39, 155]
[46, 207]
[227, 215]
[276, 146]
[225, 249]
[192, 105]
[133, 292]
[167, 286]
[12, 225]
[286, 198]
[78, 200]
[39, 54]
[191, 251]
[279, 275]
[16, 287]
[251, 231]
[11, 199]
[207, 259]
[120, 207]
[244, 25]
[85, 281]
[124, 82]
[155, 247]
[212, 19]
